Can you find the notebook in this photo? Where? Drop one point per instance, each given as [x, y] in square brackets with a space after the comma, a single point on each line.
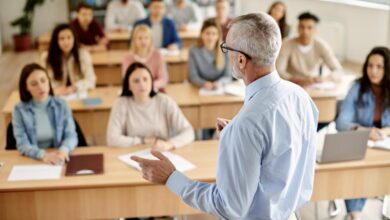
[84, 164]
[92, 101]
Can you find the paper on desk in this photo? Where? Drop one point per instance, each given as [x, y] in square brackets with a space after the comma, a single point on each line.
[324, 85]
[166, 52]
[235, 89]
[35, 172]
[383, 144]
[75, 96]
[180, 163]
[208, 92]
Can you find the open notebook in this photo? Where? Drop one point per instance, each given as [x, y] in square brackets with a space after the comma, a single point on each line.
[382, 144]
[180, 163]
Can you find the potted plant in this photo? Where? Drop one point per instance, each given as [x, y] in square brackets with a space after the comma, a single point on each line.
[22, 41]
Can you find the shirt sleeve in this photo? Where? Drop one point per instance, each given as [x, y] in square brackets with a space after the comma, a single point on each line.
[346, 119]
[89, 78]
[330, 60]
[109, 21]
[70, 140]
[22, 141]
[183, 133]
[237, 178]
[116, 127]
[282, 61]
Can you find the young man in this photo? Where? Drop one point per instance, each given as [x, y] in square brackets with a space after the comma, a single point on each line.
[300, 58]
[122, 14]
[89, 31]
[164, 31]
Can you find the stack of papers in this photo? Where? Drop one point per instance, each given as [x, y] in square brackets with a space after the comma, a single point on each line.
[180, 163]
[383, 144]
[35, 172]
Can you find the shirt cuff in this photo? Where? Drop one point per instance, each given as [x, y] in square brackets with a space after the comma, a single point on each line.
[40, 154]
[64, 149]
[177, 182]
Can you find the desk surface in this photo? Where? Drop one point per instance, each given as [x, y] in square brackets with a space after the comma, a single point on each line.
[115, 57]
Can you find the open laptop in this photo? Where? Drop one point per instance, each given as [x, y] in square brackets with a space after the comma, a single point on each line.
[343, 146]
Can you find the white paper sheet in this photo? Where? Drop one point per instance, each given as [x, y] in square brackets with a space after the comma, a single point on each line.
[75, 96]
[324, 86]
[180, 163]
[383, 144]
[35, 172]
[169, 53]
[207, 92]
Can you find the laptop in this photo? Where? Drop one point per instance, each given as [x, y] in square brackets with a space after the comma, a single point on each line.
[344, 146]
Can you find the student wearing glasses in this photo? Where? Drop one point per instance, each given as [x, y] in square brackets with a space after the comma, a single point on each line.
[208, 66]
[142, 116]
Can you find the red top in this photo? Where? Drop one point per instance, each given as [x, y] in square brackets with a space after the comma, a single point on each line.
[91, 36]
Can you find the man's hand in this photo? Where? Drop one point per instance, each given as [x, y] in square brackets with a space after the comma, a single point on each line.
[155, 171]
[221, 123]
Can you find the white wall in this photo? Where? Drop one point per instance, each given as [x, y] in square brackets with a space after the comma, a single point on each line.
[46, 17]
[364, 27]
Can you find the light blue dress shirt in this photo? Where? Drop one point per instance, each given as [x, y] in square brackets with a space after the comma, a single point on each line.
[266, 156]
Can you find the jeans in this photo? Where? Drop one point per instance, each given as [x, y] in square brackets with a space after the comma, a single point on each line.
[355, 205]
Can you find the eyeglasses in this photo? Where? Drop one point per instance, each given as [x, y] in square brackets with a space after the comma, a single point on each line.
[225, 49]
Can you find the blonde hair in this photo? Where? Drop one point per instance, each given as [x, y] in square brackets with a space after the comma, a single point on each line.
[219, 57]
[136, 30]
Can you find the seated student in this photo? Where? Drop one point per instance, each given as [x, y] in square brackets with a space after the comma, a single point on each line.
[89, 31]
[208, 66]
[300, 58]
[122, 14]
[163, 28]
[279, 12]
[143, 51]
[222, 10]
[70, 69]
[185, 15]
[367, 106]
[40, 120]
[142, 116]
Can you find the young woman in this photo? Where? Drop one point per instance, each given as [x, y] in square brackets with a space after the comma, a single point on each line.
[208, 66]
[40, 120]
[142, 50]
[142, 116]
[367, 106]
[70, 68]
[278, 11]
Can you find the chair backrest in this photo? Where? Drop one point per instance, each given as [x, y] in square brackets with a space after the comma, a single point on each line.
[11, 141]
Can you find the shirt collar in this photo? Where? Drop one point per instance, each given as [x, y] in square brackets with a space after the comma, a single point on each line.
[262, 82]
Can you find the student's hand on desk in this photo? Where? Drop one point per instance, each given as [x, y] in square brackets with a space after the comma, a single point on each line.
[216, 85]
[63, 156]
[376, 134]
[208, 85]
[302, 81]
[52, 158]
[155, 171]
[182, 27]
[173, 47]
[161, 145]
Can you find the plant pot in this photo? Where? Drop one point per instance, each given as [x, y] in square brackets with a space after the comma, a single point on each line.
[22, 42]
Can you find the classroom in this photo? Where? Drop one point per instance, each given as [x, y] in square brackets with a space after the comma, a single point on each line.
[195, 109]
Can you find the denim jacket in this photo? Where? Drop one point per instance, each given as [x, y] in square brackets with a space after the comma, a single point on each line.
[24, 128]
[351, 114]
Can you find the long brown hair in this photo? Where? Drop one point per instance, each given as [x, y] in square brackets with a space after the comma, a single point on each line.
[219, 56]
[54, 58]
[24, 94]
[282, 23]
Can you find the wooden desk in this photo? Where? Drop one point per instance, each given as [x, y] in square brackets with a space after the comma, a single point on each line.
[201, 111]
[108, 66]
[120, 40]
[121, 191]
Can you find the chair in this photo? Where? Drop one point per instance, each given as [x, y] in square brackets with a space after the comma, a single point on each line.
[11, 141]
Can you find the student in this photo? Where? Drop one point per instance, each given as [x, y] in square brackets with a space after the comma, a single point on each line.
[185, 15]
[208, 66]
[279, 12]
[122, 14]
[163, 29]
[222, 10]
[70, 68]
[367, 106]
[143, 51]
[142, 116]
[301, 57]
[89, 31]
[40, 120]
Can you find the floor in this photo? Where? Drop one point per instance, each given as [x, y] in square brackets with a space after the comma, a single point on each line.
[10, 67]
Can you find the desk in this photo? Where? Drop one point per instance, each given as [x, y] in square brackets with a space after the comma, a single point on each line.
[201, 111]
[120, 40]
[108, 66]
[121, 191]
